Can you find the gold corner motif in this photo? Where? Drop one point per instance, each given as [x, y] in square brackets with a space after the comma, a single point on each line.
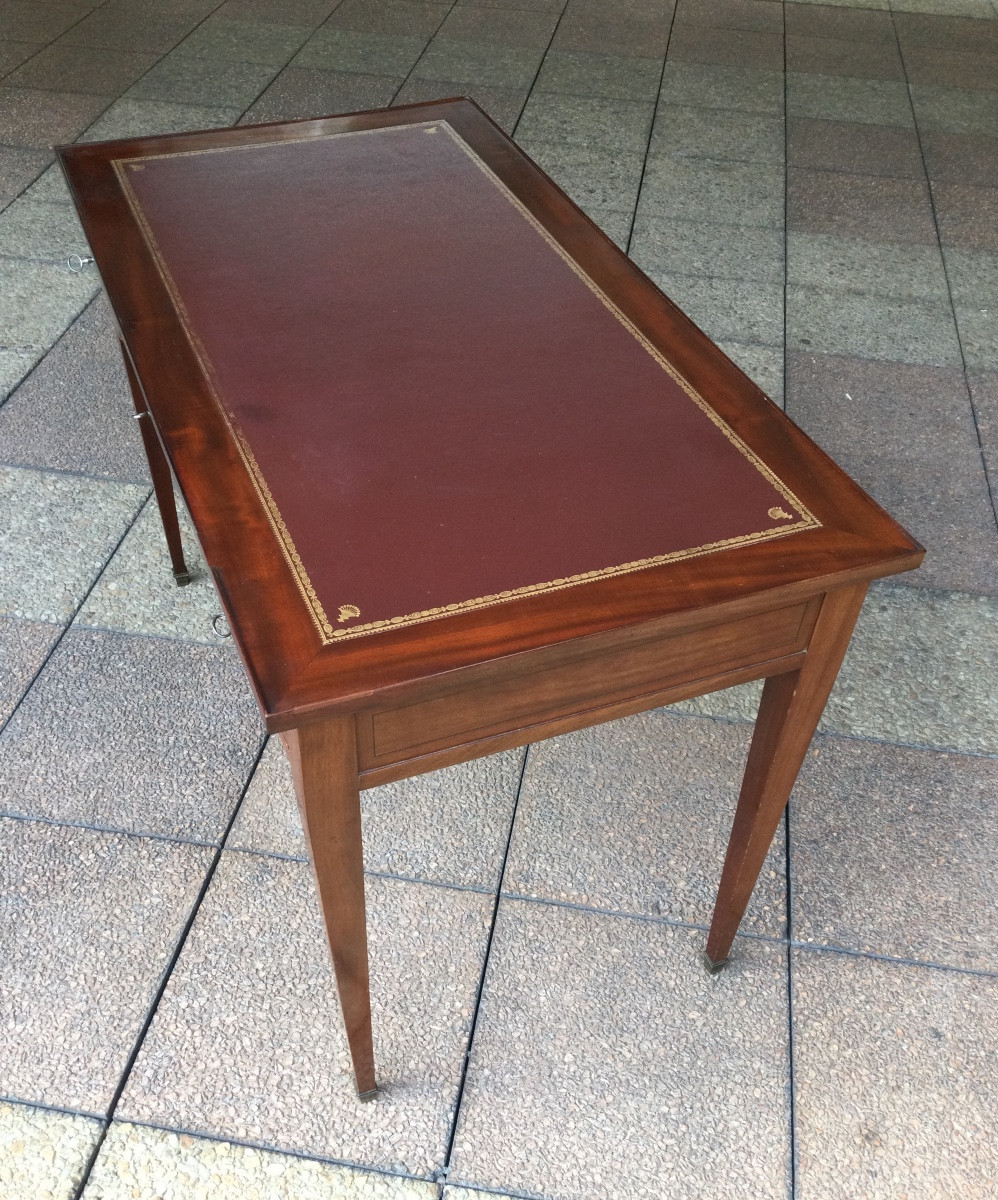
[780, 514]
[348, 612]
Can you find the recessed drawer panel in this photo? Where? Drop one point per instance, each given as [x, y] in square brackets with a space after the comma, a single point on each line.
[533, 695]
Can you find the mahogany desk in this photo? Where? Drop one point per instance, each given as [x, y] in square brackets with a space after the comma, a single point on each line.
[464, 477]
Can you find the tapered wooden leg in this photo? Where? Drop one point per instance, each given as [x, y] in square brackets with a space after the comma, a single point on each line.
[162, 481]
[323, 761]
[789, 712]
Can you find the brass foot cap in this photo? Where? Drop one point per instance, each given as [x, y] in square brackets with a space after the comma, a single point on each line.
[183, 578]
[713, 967]
[368, 1095]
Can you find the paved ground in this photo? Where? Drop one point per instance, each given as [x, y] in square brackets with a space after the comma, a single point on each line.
[818, 187]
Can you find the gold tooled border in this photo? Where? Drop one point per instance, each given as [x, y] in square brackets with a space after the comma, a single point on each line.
[327, 633]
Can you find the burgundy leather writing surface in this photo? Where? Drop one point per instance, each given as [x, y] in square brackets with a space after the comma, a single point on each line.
[438, 409]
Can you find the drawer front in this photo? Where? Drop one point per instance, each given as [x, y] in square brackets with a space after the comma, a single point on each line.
[528, 697]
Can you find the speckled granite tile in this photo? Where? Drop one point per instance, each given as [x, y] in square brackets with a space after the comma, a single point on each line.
[864, 325]
[594, 176]
[696, 43]
[42, 22]
[762, 364]
[894, 851]
[58, 531]
[38, 300]
[631, 34]
[837, 98]
[195, 79]
[955, 110]
[51, 187]
[700, 189]
[141, 118]
[620, 125]
[304, 93]
[402, 821]
[942, 31]
[133, 733]
[138, 1161]
[961, 158]
[984, 390]
[92, 919]
[884, 423]
[951, 68]
[967, 215]
[634, 816]
[874, 208]
[607, 1062]
[503, 105]
[919, 670]
[31, 228]
[825, 260]
[332, 49]
[18, 167]
[854, 147]
[728, 309]
[682, 132]
[489, 66]
[136, 592]
[978, 326]
[75, 412]
[667, 247]
[24, 646]
[412, 17]
[14, 51]
[32, 117]
[618, 77]
[119, 27]
[65, 67]
[614, 222]
[878, 59]
[14, 365]
[837, 21]
[894, 1078]
[530, 28]
[248, 1043]
[740, 88]
[42, 1153]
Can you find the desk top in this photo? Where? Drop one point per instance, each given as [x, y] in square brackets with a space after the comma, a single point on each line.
[404, 383]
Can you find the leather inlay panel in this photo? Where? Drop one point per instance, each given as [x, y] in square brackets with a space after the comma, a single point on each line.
[535, 696]
[438, 409]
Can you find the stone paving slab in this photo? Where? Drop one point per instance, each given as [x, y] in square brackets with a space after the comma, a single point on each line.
[24, 646]
[919, 670]
[137, 593]
[43, 1154]
[133, 733]
[895, 852]
[91, 920]
[448, 826]
[894, 1077]
[608, 1063]
[75, 412]
[248, 1042]
[135, 1161]
[634, 816]
[58, 531]
[37, 302]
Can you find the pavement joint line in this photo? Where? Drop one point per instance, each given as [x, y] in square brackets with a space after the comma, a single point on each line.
[486, 956]
[426, 45]
[6, 464]
[52, 1108]
[897, 960]
[368, 872]
[537, 73]
[164, 979]
[269, 1147]
[176, 839]
[651, 130]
